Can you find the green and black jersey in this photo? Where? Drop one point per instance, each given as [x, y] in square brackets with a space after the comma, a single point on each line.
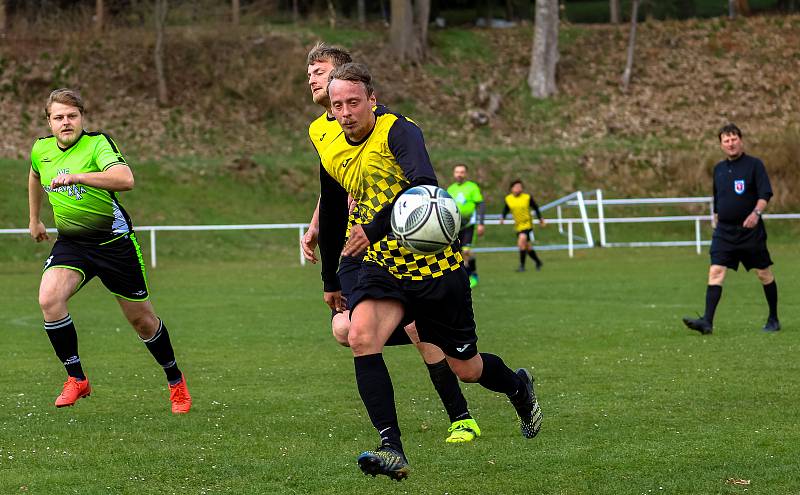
[82, 213]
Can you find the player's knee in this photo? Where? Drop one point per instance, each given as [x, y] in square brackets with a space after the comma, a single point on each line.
[145, 324]
[466, 371]
[51, 303]
[765, 276]
[340, 326]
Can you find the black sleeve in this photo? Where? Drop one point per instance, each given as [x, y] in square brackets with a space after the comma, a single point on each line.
[332, 226]
[506, 209]
[535, 208]
[481, 212]
[714, 189]
[408, 147]
[762, 181]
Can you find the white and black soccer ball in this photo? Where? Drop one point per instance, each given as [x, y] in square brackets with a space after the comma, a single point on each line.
[425, 219]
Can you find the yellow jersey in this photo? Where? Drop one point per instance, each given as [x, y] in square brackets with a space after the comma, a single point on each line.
[520, 208]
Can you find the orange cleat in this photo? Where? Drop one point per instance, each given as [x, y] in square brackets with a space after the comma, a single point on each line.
[180, 398]
[73, 390]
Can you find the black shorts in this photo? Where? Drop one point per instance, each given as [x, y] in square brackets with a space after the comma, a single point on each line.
[441, 307]
[528, 234]
[465, 236]
[732, 244]
[349, 267]
[118, 264]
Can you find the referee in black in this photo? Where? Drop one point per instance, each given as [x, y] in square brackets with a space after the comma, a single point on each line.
[741, 193]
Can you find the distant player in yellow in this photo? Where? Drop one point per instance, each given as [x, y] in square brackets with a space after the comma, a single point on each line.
[520, 204]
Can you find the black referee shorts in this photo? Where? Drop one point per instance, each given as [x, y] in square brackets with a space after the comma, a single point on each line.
[118, 264]
[441, 306]
[734, 244]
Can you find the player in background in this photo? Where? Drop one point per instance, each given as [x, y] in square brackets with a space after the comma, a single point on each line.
[741, 193]
[81, 172]
[520, 204]
[321, 60]
[378, 156]
[473, 210]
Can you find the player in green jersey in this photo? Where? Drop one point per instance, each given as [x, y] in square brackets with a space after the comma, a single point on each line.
[321, 60]
[473, 210]
[81, 172]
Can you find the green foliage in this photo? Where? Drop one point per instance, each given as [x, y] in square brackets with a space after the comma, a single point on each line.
[633, 402]
[456, 45]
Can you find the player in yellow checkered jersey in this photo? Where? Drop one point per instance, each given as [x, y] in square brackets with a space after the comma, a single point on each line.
[378, 156]
[520, 204]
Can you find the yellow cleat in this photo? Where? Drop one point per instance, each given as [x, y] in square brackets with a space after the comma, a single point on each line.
[464, 430]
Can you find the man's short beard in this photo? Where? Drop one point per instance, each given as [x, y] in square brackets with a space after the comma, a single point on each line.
[325, 101]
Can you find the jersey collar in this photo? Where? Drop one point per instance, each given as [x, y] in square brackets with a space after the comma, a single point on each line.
[83, 132]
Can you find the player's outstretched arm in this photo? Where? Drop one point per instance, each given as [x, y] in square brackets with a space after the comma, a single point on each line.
[35, 193]
[309, 241]
[117, 177]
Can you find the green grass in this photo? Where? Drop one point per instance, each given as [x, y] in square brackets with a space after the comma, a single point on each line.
[633, 402]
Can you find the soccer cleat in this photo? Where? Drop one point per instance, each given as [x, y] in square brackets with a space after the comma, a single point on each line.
[473, 281]
[772, 325]
[539, 266]
[180, 398]
[528, 410]
[520, 268]
[72, 391]
[699, 324]
[384, 460]
[464, 430]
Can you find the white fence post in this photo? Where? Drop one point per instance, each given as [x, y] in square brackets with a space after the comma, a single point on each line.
[586, 227]
[300, 239]
[601, 218]
[153, 248]
[697, 234]
[570, 243]
[558, 215]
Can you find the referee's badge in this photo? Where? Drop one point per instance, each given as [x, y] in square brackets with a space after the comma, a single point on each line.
[738, 186]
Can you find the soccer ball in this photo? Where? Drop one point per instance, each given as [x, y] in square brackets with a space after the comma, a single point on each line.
[425, 219]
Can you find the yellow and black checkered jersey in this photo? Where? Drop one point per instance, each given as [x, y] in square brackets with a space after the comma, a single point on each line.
[520, 208]
[322, 131]
[389, 160]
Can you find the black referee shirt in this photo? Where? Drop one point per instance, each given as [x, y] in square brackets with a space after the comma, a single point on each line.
[738, 185]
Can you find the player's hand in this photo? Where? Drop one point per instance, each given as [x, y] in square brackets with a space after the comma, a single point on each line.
[502, 221]
[308, 243]
[542, 222]
[358, 243]
[481, 228]
[335, 301]
[751, 221]
[38, 231]
[351, 204]
[64, 180]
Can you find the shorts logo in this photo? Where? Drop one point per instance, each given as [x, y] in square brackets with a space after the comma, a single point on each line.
[139, 293]
[738, 186]
[48, 261]
[462, 349]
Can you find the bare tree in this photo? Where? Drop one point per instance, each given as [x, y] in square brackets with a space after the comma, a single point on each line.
[160, 19]
[235, 12]
[544, 55]
[626, 75]
[613, 6]
[362, 13]
[3, 18]
[732, 9]
[331, 14]
[409, 36]
[99, 11]
[295, 11]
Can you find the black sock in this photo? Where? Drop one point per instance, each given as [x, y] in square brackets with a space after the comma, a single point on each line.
[446, 384]
[472, 266]
[160, 347]
[377, 394]
[64, 339]
[522, 258]
[713, 295]
[533, 256]
[498, 377]
[771, 293]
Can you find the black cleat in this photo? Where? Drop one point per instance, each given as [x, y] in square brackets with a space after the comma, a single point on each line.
[772, 325]
[527, 406]
[384, 460]
[520, 268]
[539, 266]
[699, 324]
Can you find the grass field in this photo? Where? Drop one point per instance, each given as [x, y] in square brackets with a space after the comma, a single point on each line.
[633, 402]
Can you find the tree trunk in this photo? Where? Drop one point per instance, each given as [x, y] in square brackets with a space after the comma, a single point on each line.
[295, 11]
[362, 13]
[235, 11]
[406, 36]
[544, 54]
[99, 11]
[626, 75]
[743, 7]
[422, 14]
[732, 9]
[331, 14]
[3, 18]
[613, 5]
[160, 18]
